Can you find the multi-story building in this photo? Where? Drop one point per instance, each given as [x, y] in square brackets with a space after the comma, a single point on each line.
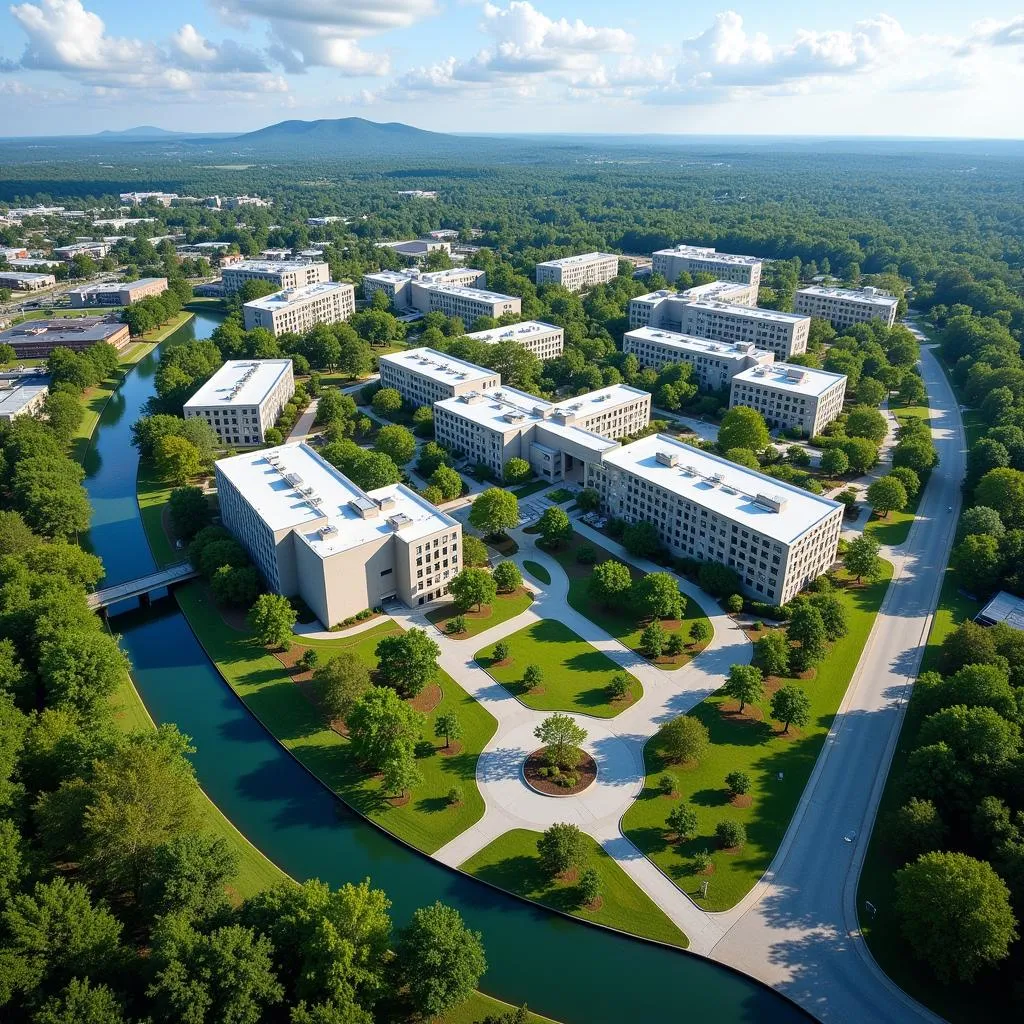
[283, 273]
[409, 289]
[423, 376]
[25, 281]
[243, 399]
[782, 334]
[298, 309]
[36, 339]
[545, 341]
[417, 248]
[120, 223]
[235, 202]
[736, 292]
[791, 397]
[95, 250]
[664, 308]
[714, 363]
[138, 198]
[777, 537]
[846, 306]
[699, 259]
[579, 272]
[558, 440]
[34, 265]
[322, 222]
[117, 294]
[311, 531]
[22, 396]
[471, 303]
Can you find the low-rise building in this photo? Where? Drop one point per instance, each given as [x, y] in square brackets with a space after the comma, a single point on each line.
[714, 363]
[120, 223]
[138, 198]
[22, 396]
[243, 399]
[299, 309]
[312, 532]
[34, 265]
[579, 272]
[282, 273]
[416, 193]
[95, 250]
[417, 248]
[423, 376]
[36, 339]
[777, 537]
[791, 397]
[699, 259]
[544, 340]
[322, 222]
[117, 294]
[16, 252]
[845, 307]
[236, 202]
[25, 281]
[276, 254]
[471, 303]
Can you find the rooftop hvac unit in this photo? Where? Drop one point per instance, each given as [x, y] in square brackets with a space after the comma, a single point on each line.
[667, 458]
[307, 491]
[690, 470]
[386, 502]
[327, 531]
[293, 478]
[399, 520]
[316, 501]
[716, 478]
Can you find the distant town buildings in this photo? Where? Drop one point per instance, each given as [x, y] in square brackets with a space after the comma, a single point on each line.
[299, 309]
[138, 198]
[117, 294]
[36, 339]
[243, 399]
[455, 292]
[236, 202]
[845, 307]
[714, 363]
[544, 340]
[322, 222]
[22, 395]
[790, 397]
[94, 250]
[416, 193]
[423, 376]
[13, 253]
[417, 248]
[25, 281]
[697, 259]
[120, 223]
[283, 273]
[579, 272]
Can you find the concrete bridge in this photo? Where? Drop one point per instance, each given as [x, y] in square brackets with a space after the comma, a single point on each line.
[141, 587]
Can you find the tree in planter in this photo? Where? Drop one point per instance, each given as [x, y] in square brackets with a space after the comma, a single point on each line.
[340, 683]
[887, 494]
[773, 653]
[683, 739]
[495, 511]
[554, 526]
[609, 582]
[745, 684]
[407, 662]
[589, 887]
[738, 783]
[382, 727]
[474, 551]
[562, 737]
[653, 639]
[272, 618]
[618, 686]
[517, 471]
[533, 677]
[861, 558]
[447, 724]
[472, 587]
[500, 652]
[507, 577]
[682, 822]
[657, 595]
[400, 775]
[807, 629]
[561, 848]
[730, 834]
[675, 644]
[791, 705]
[700, 631]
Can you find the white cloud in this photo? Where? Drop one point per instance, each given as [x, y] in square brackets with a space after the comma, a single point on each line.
[195, 51]
[990, 32]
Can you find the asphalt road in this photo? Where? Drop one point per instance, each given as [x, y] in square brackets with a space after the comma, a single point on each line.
[798, 928]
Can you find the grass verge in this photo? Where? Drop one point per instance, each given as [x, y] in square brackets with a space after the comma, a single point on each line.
[511, 862]
[505, 607]
[525, 490]
[478, 1007]
[752, 745]
[537, 571]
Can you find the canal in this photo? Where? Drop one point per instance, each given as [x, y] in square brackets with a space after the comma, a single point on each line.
[575, 973]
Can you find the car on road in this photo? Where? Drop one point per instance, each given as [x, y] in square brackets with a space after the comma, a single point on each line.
[850, 836]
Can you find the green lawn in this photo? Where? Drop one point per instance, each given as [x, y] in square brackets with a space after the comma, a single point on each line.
[576, 675]
[480, 1006]
[533, 487]
[537, 571]
[153, 496]
[895, 529]
[756, 748]
[511, 862]
[426, 821]
[621, 624]
[505, 607]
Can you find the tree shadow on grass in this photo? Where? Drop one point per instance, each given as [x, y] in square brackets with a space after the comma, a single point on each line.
[726, 730]
[462, 766]
[432, 804]
[710, 797]
[523, 875]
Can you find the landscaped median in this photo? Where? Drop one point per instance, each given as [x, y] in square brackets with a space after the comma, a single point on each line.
[777, 764]
[501, 609]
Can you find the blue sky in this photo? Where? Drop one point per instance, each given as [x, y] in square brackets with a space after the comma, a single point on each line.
[908, 68]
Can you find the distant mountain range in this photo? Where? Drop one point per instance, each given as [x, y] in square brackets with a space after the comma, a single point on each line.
[142, 131]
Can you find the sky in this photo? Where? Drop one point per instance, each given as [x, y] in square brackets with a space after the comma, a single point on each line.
[912, 67]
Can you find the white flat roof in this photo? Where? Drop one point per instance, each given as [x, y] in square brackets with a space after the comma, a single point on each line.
[714, 289]
[480, 294]
[23, 276]
[691, 343]
[272, 266]
[516, 332]
[585, 257]
[733, 496]
[21, 391]
[428, 362]
[602, 398]
[871, 296]
[1003, 607]
[700, 252]
[291, 296]
[801, 380]
[239, 382]
[303, 488]
[749, 311]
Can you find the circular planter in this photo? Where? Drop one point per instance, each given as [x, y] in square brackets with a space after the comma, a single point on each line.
[546, 786]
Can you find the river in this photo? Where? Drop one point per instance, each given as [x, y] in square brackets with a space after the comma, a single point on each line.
[575, 973]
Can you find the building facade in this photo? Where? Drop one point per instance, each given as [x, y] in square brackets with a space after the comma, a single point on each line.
[698, 259]
[782, 334]
[36, 339]
[664, 308]
[417, 248]
[845, 307]
[423, 376]
[579, 272]
[776, 537]
[95, 250]
[117, 294]
[311, 531]
[409, 289]
[282, 273]
[22, 396]
[243, 399]
[470, 303]
[24, 281]
[544, 340]
[791, 397]
[299, 309]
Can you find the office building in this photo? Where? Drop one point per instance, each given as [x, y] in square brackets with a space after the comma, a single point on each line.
[545, 341]
[579, 272]
[416, 193]
[236, 202]
[34, 265]
[782, 334]
[138, 198]
[36, 339]
[558, 439]
[714, 363]
[120, 223]
[471, 303]
[273, 255]
[282, 273]
[298, 309]
[845, 307]
[22, 396]
[423, 376]
[698, 259]
[456, 292]
[312, 532]
[417, 248]
[734, 292]
[25, 281]
[791, 397]
[776, 536]
[117, 294]
[322, 222]
[664, 308]
[243, 399]
[94, 250]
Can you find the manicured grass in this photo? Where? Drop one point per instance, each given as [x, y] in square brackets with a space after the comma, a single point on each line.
[576, 675]
[619, 622]
[153, 496]
[757, 748]
[511, 862]
[895, 529]
[505, 607]
[533, 487]
[480, 1006]
[537, 571]
[426, 821]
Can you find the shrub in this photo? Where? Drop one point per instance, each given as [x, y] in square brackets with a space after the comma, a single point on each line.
[533, 677]
[730, 833]
[701, 861]
[738, 783]
[456, 624]
[734, 604]
[666, 784]
[586, 554]
[454, 796]
[618, 686]
[675, 644]
[500, 652]
[309, 660]
[700, 631]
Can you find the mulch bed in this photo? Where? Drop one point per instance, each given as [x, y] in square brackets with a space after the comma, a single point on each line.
[450, 751]
[751, 713]
[427, 699]
[741, 800]
[595, 905]
[773, 683]
[399, 801]
[807, 674]
[709, 870]
[793, 734]
[587, 772]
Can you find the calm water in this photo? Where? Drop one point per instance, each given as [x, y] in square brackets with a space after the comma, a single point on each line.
[572, 972]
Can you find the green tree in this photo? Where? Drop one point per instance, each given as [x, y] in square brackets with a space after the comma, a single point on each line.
[561, 849]
[64, 413]
[863, 421]
[397, 443]
[980, 520]
[955, 913]
[340, 683]
[382, 727]
[190, 875]
[916, 453]
[834, 462]
[533, 677]
[913, 829]
[430, 457]
[507, 577]
[861, 558]
[235, 584]
[589, 887]
[588, 500]
[472, 587]
[791, 706]
[400, 775]
[47, 491]
[619, 686]
[717, 579]
[448, 481]
[474, 551]
[176, 459]
[81, 668]
[682, 822]
[860, 452]
[738, 783]
[744, 457]
[554, 526]
[887, 494]
[641, 539]
[500, 652]
[517, 471]
[773, 653]
[657, 595]
[701, 631]
[653, 640]
[563, 737]
[978, 736]
[387, 402]
[407, 661]
[744, 684]
[910, 480]
[610, 582]
[675, 644]
[730, 834]
[447, 724]
[423, 421]
[743, 428]
[683, 739]
[978, 563]
[189, 511]
[81, 1003]
[494, 511]
[271, 619]
[807, 630]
